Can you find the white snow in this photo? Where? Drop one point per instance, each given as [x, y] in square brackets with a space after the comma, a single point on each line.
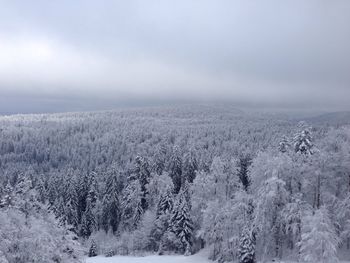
[201, 257]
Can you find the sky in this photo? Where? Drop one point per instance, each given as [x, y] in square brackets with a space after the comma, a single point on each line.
[63, 55]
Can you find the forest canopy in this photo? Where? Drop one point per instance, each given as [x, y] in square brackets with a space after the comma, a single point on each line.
[173, 180]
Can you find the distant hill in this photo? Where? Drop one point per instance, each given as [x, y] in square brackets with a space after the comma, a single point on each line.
[333, 118]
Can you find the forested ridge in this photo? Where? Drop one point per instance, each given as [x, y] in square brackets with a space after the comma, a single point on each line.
[173, 180]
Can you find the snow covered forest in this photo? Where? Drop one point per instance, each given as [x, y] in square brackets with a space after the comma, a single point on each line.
[174, 180]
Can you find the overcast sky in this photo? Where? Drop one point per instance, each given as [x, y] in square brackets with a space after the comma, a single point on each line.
[62, 55]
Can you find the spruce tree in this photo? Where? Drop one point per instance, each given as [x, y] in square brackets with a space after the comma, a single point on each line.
[131, 205]
[190, 167]
[88, 222]
[93, 189]
[82, 192]
[51, 193]
[60, 211]
[93, 249]
[40, 188]
[161, 224]
[7, 197]
[303, 140]
[284, 144]
[244, 163]
[143, 174]
[181, 223]
[175, 169]
[110, 205]
[71, 204]
[166, 202]
[159, 160]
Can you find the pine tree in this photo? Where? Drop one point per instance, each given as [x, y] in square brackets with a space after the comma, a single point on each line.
[131, 205]
[93, 189]
[84, 229]
[60, 212]
[71, 204]
[82, 192]
[303, 140]
[159, 160]
[40, 188]
[88, 222]
[175, 169]
[165, 204]
[181, 223]
[190, 167]
[244, 163]
[93, 249]
[111, 211]
[143, 175]
[51, 192]
[246, 251]
[284, 144]
[163, 213]
[7, 197]
[25, 196]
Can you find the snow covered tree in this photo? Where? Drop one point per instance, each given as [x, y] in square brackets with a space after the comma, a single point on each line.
[166, 202]
[175, 169]
[292, 216]
[93, 249]
[30, 232]
[143, 175]
[181, 222]
[303, 140]
[246, 251]
[88, 224]
[284, 144]
[93, 189]
[190, 166]
[159, 160]
[7, 196]
[163, 214]
[157, 187]
[41, 190]
[60, 211]
[71, 204]
[131, 205]
[244, 163]
[270, 201]
[82, 192]
[52, 191]
[142, 238]
[111, 212]
[319, 240]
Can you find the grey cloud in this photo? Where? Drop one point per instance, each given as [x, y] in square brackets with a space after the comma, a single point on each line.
[247, 52]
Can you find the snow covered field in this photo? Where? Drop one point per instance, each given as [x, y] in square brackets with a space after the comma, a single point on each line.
[198, 258]
[201, 257]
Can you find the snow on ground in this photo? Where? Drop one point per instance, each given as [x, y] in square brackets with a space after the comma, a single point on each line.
[201, 257]
[198, 258]
[148, 259]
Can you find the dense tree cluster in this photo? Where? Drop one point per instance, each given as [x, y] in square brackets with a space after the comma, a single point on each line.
[177, 180]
